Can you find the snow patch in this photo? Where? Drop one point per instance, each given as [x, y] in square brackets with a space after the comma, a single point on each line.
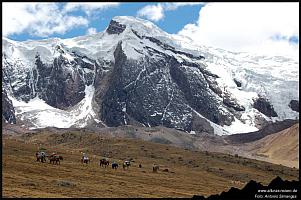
[43, 115]
[68, 56]
[238, 127]
[192, 133]
[87, 61]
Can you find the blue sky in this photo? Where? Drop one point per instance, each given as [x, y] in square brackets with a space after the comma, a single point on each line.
[172, 22]
[261, 28]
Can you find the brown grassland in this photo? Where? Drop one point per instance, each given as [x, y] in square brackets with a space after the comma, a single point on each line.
[189, 172]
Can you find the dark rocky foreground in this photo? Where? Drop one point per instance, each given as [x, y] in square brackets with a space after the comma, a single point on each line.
[277, 189]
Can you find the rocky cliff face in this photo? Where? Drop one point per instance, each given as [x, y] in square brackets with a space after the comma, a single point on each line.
[8, 111]
[115, 27]
[264, 106]
[60, 84]
[132, 73]
[159, 90]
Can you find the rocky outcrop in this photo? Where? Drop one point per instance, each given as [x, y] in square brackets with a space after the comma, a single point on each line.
[197, 93]
[17, 79]
[238, 83]
[232, 103]
[285, 189]
[201, 125]
[265, 107]
[115, 28]
[58, 85]
[154, 92]
[134, 95]
[8, 111]
[294, 105]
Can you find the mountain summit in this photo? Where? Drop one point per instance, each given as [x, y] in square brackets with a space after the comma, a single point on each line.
[133, 73]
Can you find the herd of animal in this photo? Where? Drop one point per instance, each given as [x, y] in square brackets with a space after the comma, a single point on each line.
[104, 162]
[53, 158]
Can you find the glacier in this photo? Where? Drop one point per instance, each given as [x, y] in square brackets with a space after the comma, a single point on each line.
[275, 78]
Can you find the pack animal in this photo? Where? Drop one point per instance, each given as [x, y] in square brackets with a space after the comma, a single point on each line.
[114, 166]
[104, 163]
[41, 156]
[85, 160]
[126, 164]
[55, 159]
[155, 168]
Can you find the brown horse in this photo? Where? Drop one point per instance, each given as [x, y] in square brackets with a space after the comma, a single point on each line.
[85, 160]
[55, 159]
[104, 163]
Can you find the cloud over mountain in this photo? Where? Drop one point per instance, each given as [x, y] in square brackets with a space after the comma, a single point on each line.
[264, 28]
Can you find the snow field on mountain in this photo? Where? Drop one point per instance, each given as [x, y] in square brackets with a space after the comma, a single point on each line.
[276, 78]
[42, 115]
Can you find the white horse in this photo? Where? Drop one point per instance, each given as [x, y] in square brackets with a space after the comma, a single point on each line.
[126, 164]
[85, 159]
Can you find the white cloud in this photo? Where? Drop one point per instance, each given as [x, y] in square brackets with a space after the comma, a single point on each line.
[10, 21]
[247, 27]
[157, 12]
[174, 6]
[39, 19]
[152, 12]
[91, 31]
[88, 8]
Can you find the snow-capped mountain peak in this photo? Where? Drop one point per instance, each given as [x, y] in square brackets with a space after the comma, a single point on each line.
[135, 73]
[143, 26]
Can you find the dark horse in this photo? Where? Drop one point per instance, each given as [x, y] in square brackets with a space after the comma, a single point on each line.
[104, 163]
[55, 159]
[85, 160]
[41, 156]
[126, 164]
[155, 168]
[114, 165]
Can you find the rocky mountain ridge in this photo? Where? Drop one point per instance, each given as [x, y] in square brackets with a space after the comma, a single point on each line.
[134, 73]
